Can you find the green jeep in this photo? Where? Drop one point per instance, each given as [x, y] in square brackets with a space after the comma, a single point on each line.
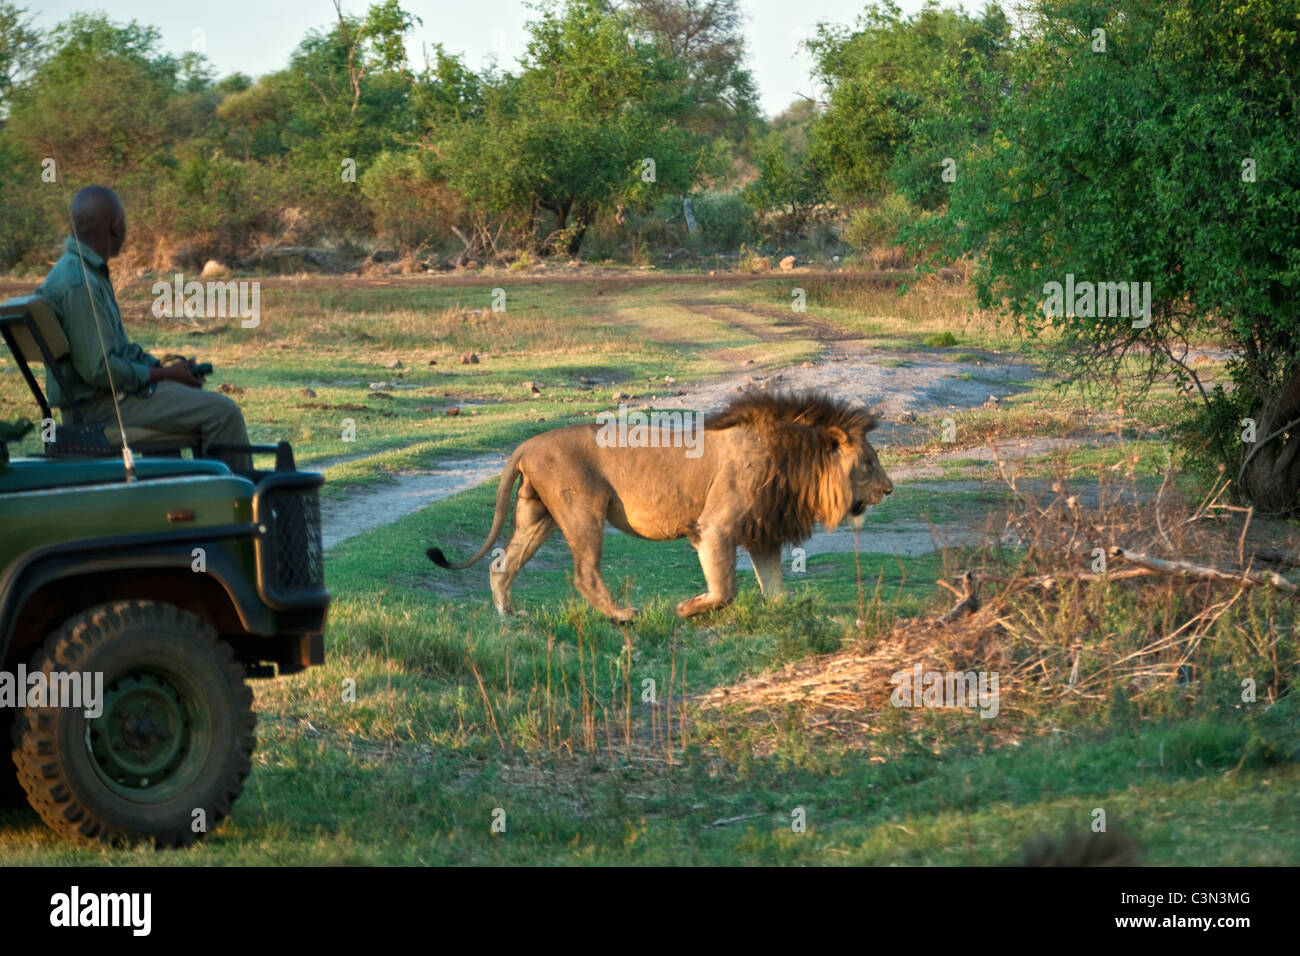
[133, 607]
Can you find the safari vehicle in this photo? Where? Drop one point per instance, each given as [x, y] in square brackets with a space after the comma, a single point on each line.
[170, 582]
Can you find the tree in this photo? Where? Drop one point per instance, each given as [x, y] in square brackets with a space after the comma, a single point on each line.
[345, 99]
[707, 37]
[593, 119]
[20, 50]
[104, 102]
[1159, 151]
[789, 180]
[902, 92]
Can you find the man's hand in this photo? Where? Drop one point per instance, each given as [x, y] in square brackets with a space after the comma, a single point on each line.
[178, 371]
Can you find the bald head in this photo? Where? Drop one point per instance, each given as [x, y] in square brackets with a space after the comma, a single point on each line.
[99, 220]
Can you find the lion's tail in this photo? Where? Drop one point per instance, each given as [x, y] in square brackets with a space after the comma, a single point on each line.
[508, 477]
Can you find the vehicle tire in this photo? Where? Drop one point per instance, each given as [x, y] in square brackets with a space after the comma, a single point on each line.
[12, 796]
[174, 735]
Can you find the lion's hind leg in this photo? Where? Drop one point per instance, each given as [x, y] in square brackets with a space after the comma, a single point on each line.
[533, 525]
[585, 532]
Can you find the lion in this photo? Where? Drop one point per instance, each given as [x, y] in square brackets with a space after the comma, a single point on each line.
[766, 469]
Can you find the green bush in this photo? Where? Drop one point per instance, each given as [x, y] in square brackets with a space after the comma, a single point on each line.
[880, 223]
[725, 220]
[408, 204]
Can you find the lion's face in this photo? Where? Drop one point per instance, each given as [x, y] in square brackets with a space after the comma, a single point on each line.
[868, 482]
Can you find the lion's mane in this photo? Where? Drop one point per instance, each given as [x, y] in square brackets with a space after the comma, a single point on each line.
[800, 482]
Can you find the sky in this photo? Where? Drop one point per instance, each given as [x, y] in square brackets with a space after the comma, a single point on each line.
[257, 36]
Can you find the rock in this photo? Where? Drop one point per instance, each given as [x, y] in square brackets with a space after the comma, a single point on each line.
[787, 264]
[907, 417]
[308, 393]
[469, 358]
[808, 365]
[380, 395]
[749, 361]
[541, 419]
[212, 269]
[453, 411]
[669, 379]
[532, 388]
[433, 361]
[424, 408]
[620, 396]
[227, 389]
[395, 363]
[993, 400]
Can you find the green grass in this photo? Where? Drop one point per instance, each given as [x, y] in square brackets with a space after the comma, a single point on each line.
[460, 714]
[413, 771]
[941, 340]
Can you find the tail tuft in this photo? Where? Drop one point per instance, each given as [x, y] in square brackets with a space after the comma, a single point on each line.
[438, 558]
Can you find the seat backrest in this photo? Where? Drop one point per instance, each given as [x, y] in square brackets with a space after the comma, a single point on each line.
[47, 325]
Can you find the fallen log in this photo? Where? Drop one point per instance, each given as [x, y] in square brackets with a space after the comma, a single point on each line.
[1185, 569]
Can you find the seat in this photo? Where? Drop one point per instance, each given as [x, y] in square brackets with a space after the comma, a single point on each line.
[35, 337]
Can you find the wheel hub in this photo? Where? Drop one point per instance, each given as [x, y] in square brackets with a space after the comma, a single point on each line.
[144, 733]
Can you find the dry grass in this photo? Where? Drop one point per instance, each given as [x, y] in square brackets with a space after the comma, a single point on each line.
[1073, 642]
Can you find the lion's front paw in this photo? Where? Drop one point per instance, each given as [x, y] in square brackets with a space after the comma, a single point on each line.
[692, 606]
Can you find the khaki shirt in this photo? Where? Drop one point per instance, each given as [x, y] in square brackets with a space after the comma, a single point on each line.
[85, 369]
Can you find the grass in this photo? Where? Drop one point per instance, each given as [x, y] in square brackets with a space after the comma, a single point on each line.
[459, 715]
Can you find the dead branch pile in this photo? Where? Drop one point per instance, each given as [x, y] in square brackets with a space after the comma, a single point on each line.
[1108, 590]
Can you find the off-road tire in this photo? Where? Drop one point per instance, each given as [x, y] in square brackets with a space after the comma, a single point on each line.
[173, 694]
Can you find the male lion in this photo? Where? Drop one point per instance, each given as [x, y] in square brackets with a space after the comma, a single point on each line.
[768, 468]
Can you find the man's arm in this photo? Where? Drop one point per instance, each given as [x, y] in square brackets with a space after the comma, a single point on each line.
[87, 353]
[139, 356]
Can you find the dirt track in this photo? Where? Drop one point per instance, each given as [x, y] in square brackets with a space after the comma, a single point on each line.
[927, 383]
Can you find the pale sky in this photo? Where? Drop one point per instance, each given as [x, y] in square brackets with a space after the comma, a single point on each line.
[257, 36]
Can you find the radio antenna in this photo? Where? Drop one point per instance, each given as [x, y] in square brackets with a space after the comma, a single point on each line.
[128, 459]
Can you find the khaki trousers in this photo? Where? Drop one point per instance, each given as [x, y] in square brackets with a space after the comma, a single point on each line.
[179, 409]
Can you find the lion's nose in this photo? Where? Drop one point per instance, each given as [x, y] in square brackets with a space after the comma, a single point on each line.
[889, 487]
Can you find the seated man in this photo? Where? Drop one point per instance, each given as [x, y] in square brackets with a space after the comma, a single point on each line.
[150, 395]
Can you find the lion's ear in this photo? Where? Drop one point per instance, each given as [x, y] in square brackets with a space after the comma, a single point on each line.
[872, 422]
[836, 438]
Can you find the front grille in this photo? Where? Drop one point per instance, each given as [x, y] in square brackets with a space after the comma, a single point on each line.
[295, 540]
